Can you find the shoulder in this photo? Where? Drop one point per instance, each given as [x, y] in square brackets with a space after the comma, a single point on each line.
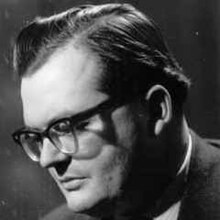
[205, 163]
[202, 197]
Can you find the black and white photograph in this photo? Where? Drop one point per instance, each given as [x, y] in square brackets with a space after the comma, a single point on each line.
[109, 110]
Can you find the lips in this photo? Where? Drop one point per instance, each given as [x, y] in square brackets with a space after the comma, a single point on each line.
[72, 183]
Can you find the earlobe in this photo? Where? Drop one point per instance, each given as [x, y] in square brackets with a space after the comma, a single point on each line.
[160, 108]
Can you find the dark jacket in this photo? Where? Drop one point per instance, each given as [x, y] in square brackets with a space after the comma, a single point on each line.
[201, 198]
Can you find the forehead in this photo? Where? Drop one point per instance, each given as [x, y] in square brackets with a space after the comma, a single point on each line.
[66, 84]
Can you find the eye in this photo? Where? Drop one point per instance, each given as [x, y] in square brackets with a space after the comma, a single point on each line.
[30, 138]
[62, 127]
[91, 124]
[82, 125]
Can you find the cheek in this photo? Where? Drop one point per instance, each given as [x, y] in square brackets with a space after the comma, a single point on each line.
[126, 129]
[90, 146]
[113, 164]
[110, 171]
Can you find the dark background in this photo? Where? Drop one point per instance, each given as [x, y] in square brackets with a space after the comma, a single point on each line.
[192, 29]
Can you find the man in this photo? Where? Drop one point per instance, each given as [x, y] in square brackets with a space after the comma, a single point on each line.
[103, 111]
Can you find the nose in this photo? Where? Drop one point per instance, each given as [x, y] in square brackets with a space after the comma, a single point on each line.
[50, 155]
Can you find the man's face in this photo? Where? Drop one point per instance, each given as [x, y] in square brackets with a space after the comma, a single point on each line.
[66, 85]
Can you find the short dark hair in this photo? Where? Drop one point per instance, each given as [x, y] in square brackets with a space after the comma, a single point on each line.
[133, 52]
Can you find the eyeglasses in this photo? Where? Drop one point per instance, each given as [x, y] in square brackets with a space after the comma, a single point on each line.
[64, 133]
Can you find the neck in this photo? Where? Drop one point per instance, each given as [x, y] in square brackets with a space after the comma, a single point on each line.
[151, 175]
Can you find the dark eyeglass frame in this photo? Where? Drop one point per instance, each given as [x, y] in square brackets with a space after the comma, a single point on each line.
[108, 105]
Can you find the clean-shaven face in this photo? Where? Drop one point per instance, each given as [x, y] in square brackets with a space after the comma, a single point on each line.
[66, 85]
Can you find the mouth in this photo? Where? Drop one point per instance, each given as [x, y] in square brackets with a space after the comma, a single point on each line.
[72, 183]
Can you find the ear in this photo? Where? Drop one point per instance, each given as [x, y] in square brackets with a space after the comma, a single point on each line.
[160, 108]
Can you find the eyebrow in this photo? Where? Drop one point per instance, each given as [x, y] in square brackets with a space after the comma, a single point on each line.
[86, 113]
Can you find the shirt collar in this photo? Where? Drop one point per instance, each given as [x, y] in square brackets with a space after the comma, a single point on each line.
[175, 190]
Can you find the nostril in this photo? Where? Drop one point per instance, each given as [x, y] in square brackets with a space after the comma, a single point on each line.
[62, 166]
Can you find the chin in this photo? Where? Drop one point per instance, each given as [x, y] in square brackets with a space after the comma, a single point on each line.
[94, 207]
[77, 207]
[89, 201]
[82, 202]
